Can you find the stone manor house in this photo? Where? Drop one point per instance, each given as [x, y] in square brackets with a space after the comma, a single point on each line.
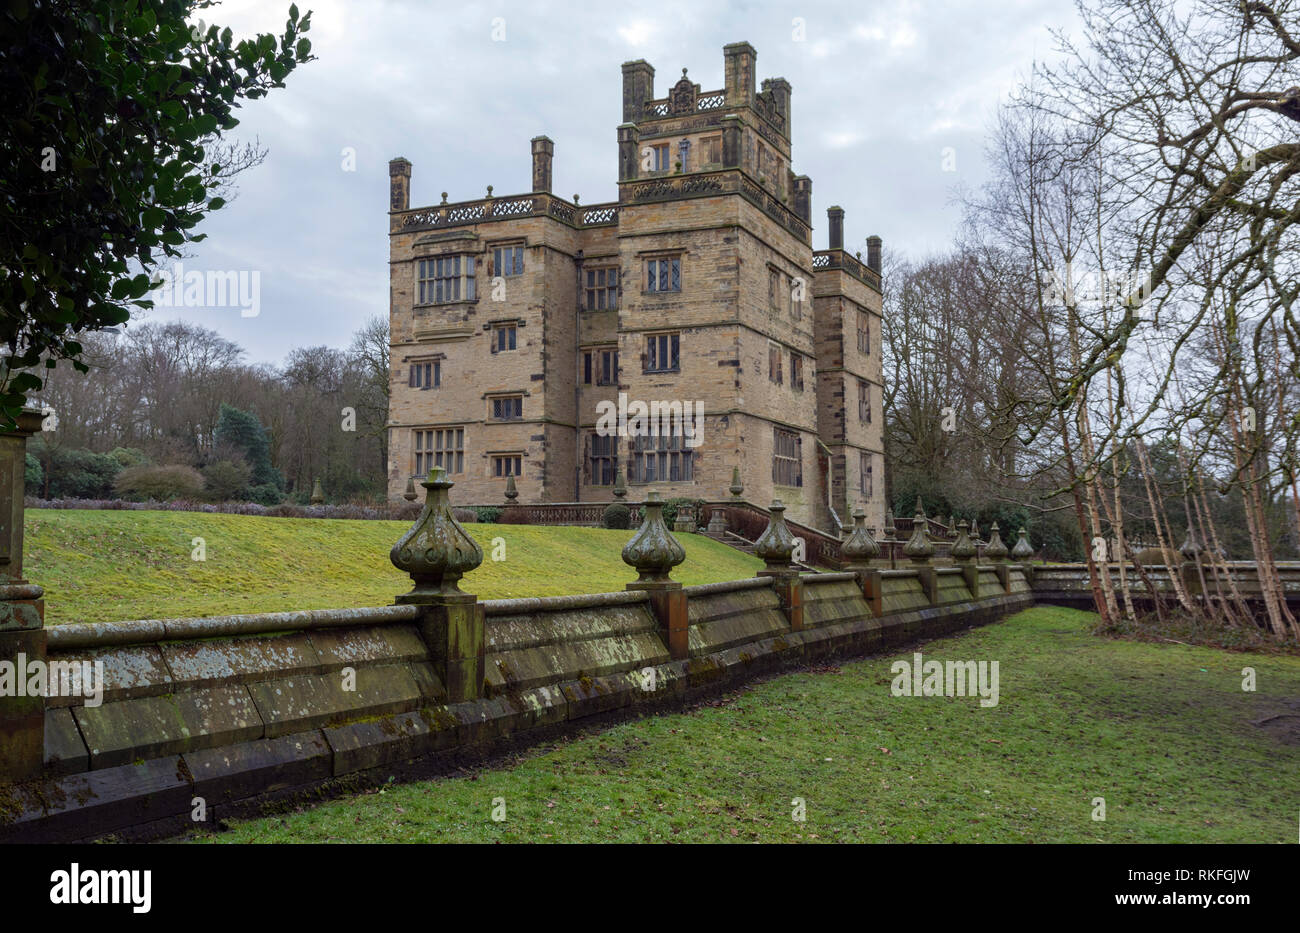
[518, 321]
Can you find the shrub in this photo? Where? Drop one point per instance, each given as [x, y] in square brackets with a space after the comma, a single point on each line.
[33, 475]
[128, 456]
[266, 494]
[464, 515]
[226, 480]
[488, 514]
[514, 515]
[77, 474]
[616, 515]
[164, 483]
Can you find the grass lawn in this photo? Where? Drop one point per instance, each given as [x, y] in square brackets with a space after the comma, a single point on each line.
[1164, 733]
[100, 566]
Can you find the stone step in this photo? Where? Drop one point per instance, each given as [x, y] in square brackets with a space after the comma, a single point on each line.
[731, 539]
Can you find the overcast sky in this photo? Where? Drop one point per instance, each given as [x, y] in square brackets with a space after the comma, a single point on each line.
[880, 91]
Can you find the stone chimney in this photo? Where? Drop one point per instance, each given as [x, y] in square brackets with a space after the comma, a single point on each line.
[835, 215]
[779, 89]
[628, 159]
[738, 67]
[873, 254]
[638, 87]
[399, 184]
[803, 198]
[543, 150]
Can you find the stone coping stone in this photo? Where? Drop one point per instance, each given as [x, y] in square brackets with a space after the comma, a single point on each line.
[65, 750]
[241, 660]
[727, 586]
[81, 806]
[371, 743]
[432, 690]
[128, 672]
[826, 611]
[857, 634]
[588, 696]
[513, 632]
[172, 723]
[246, 769]
[706, 637]
[379, 644]
[722, 605]
[562, 661]
[310, 701]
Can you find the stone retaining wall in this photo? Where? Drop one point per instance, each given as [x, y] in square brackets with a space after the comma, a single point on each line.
[240, 707]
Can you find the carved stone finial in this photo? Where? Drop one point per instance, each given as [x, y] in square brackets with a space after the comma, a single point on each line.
[620, 485]
[918, 547]
[575, 200]
[859, 547]
[963, 549]
[410, 494]
[683, 72]
[736, 488]
[317, 494]
[891, 530]
[436, 551]
[489, 194]
[653, 551]
[776, 544]
[1023, 549]
[444, 197]
[511, 492]
[996, 550]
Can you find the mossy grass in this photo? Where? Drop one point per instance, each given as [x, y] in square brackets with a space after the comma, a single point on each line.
[100, 566]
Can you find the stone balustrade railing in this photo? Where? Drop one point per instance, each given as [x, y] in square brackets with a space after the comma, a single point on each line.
[485, 210]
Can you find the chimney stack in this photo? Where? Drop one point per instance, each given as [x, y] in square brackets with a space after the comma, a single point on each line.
[738, 72]
[803, 198]
[835, 214]
[399, 184]
[638, 87]
[873, 254]
[543, 150]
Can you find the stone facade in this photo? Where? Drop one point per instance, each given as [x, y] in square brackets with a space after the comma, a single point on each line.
[518, 322]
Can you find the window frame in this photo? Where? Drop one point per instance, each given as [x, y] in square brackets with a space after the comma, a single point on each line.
[665, 454]
[661, 269]
[673, 348]
[498, 404]
[593, 293]
[787, 458]
[502, 465]
[416, 370]
[498, 333]
[600, 366]
[602, 459]
[513, 253]
[444, 447]
[445, 279]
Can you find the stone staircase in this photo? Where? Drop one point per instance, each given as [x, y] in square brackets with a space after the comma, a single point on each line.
[731, 539]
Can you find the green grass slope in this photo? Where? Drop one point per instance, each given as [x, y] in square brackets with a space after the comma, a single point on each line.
[1164, 733]
[99, 566]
